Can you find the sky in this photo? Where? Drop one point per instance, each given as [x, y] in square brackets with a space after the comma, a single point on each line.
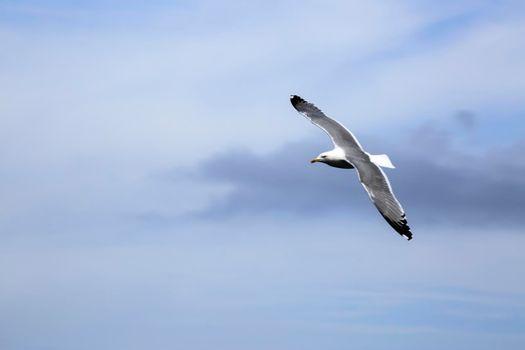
[157, 191]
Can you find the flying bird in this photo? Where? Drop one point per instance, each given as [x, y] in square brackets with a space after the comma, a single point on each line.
[349, 154]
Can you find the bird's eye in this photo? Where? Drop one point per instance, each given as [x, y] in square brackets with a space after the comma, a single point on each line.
[323, 156]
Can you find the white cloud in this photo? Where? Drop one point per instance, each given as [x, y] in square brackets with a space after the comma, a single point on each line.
[482, 69]
[88, 116]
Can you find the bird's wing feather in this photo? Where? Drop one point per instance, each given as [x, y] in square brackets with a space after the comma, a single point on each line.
[376, 183]
[341, 137]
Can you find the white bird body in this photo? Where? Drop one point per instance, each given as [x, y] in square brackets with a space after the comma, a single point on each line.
[348, 154]
[337, 158]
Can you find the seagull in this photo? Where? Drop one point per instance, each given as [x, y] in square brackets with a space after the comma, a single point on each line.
[349, 154]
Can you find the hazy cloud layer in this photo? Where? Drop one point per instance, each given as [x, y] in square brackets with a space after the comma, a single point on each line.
[237, 285]
[99, 98]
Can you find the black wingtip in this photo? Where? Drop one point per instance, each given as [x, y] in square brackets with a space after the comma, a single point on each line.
[400, 226]
[295, 100]
[404, 231]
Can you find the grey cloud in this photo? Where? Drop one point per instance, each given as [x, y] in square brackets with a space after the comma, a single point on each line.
[467, 119]
[434, 181]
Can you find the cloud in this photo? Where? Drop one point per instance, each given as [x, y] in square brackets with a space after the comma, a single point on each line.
[182, 83]
[435, 179]
[467, 118]
[100, 98]
[244, 281]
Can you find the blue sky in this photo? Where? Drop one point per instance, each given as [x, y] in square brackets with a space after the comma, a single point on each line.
[157, 191]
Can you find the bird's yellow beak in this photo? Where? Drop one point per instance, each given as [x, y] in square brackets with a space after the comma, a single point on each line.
[315, 160]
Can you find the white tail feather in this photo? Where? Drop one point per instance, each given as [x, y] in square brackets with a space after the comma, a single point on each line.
[381, 160]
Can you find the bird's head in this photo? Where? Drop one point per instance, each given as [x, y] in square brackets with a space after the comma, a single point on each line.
[333, 157]
[322, 158]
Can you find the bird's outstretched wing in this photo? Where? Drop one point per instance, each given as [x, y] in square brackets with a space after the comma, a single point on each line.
[341, 136]
[376, 183]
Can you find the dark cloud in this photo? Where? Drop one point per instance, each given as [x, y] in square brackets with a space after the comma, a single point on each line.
[281, 181]
[434, 181]
[467, 119]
